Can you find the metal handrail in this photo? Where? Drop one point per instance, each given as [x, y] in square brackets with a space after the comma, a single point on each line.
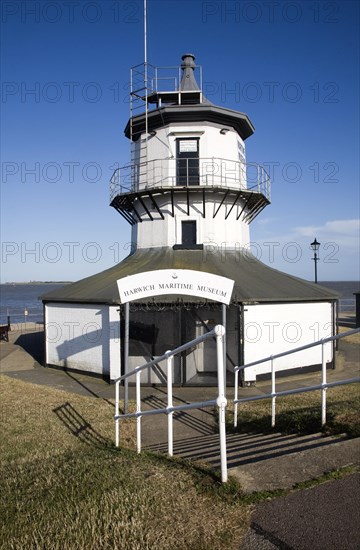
[219, 333]
[221, 402]
[171, 72]
[212, 172]
[274, 394]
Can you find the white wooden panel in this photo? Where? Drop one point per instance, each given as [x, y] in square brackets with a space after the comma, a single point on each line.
[80, 336]
[114, 342]
[271, 329]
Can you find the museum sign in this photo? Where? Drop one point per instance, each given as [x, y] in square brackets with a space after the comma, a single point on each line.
[175, 281]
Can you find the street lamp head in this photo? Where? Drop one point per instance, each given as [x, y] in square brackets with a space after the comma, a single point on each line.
[315, 245]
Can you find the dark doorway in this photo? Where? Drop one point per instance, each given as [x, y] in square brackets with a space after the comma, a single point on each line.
[188, 233]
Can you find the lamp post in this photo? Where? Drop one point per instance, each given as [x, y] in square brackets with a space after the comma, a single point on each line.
[315, 246]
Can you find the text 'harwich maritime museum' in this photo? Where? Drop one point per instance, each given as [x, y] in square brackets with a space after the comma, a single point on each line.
[187, 190]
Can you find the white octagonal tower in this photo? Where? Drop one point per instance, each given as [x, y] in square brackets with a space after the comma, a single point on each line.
[187, 193]
[188, 185]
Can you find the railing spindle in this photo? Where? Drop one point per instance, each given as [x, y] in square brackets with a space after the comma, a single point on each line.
[236, 393]
[273, 391]
[221, 400]
[169, 362]
[138, 411]
[323, 391]
[117, 420]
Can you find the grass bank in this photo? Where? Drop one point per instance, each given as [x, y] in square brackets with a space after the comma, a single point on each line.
[64, 485]
[302, 413]
[352, 339]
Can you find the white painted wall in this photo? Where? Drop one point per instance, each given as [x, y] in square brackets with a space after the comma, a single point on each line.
[86, 337]
[271, 329]
[222, 164]
[217, 231]
[219, 155]
[83, 337]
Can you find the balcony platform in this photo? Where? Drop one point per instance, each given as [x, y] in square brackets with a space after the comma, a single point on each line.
[127, 202]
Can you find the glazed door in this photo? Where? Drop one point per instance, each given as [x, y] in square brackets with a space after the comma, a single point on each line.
[200, 361]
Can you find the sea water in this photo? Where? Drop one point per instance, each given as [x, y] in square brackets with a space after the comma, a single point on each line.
[21, 301]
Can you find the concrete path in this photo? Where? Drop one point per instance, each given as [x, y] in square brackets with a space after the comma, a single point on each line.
[325, 517]
[272, 461]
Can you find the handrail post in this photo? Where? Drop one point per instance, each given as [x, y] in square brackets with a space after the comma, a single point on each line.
[221, 400]
[126, 357]
[323, 391]
[117, 420]
[273, 399]
[236, 394]
[138, 410]
[169, 363]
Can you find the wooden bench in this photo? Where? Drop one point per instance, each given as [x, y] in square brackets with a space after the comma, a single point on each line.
[4, 332]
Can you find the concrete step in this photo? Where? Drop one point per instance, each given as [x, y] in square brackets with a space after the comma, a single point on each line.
[270, 461]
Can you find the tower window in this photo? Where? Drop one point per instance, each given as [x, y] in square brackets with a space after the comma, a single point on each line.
[187, 161]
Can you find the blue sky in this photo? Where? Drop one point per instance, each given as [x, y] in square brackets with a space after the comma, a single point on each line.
[293, 67]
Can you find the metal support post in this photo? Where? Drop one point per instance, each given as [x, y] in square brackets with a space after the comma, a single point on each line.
[126, 358]
[221, 400]
[138, 411]
[223, 307]
[273, 399]
[236, 394]
[117, 420]
[323, 391]
[169, 364]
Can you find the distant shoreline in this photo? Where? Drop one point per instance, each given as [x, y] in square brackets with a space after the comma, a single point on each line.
[355, 281]
[39, 283]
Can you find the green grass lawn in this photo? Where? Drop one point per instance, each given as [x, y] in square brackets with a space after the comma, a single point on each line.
[302, 413]
[64, 485]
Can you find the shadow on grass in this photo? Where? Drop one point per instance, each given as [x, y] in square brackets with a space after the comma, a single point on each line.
[86, 387]
[304, 421]
[187, 418]
[79, 427]
[342, 417]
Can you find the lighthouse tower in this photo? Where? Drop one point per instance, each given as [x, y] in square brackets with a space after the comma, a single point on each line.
[189, 195]
[188, 185]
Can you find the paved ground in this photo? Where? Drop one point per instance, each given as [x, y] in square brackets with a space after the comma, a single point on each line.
[325, 517]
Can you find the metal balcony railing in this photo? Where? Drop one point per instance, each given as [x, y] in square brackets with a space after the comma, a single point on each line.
[205, 172]
[159, 80]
